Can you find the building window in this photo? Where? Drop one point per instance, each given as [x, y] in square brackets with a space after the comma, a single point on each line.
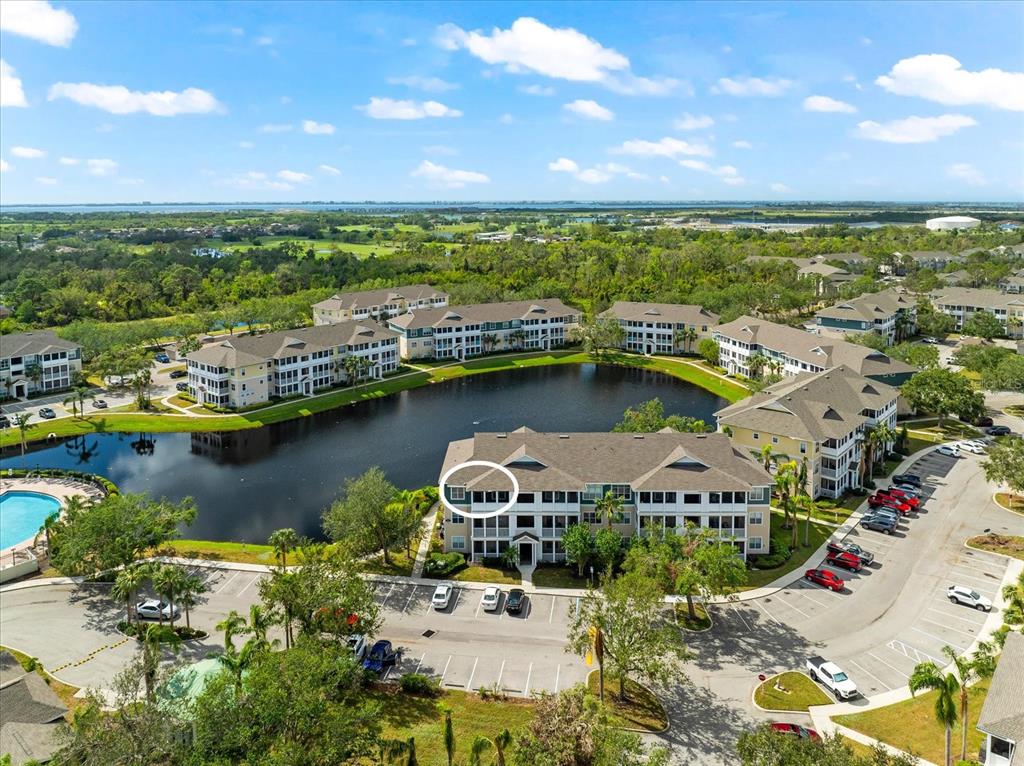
[590, 517]
[803, 448]
[754, 543]
[458, 493]
[670, 497]
[547, 497]
[525, 498]
[756, 435]
[691, 498]
[524, 521]
[775, 440]
[756, 517]
[645, 497]
[458, 543]
[714, 498]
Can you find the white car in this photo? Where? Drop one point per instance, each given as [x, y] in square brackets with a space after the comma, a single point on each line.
[442, 595]
[949, 450]
[154, 609]
[978, 448]
[491, 598]
[357, 643]
[959, 594]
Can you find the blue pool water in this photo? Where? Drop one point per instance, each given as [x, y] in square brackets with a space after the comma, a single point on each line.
[21, 515]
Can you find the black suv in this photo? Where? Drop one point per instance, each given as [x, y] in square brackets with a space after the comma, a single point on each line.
[909, 479]
[515, 601]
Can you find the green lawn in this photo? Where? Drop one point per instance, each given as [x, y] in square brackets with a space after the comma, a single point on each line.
[483, 573]
[558, 576]
[800, 693]
[702, 621]
[640, 710]
[404, 716]
[1010, 502]
[757, 578]
[911, 725]
[400, 564]
[243, 553]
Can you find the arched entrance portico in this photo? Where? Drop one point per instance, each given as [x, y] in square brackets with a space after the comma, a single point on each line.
[526, 544]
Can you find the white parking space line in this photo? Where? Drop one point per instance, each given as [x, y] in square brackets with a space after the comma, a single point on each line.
[526, 691]
[551, 616]
[408, 601]
[740, 615]
[458, 594]
[793, 607]
[813, 601]
[469, 683]
[936, 638]
[387, 596]
[956, 617]
[867, 672]
[477, 612]
[947, 627]
[765, 610]
[994, 569]
[420, 662]
[987, 580]
[257, 578]
[446, 668]
[558, 673]
[891, 667]
[899, 647]
[227, 582]
[500, 674]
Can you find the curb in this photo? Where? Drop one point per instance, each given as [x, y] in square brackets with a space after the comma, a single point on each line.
[807, 712]
[1000, 505]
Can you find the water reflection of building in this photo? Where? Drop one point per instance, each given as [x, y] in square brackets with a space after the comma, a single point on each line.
[235, 447]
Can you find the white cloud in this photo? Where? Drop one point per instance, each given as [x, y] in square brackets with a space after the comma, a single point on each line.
[852, 80]
[666, 147]
[101, 167]
[741, 144]
[40, 21]
[69, 161]
[941, 78]
[27, 152]
[428, 84]
[634, 85]
[46, 180]
[967, 173]
[563, 165]
[537, 90]
[294, 176]
[315, 128]
[589, 109]
[4, 165]
[530, 46]
[506, 119]
[726, 173]
[752, 86]
[276, 128]
[593, 176]
[255, 180]
[408, 42]
[865, 41]
[447, 177]
[693, 122]
[285, 100]
[914, 130]
[440, 150]
[826, 104]
[130, 181]
[329, 170]
[117, 99]
[391, 109]
[11, 92]
[246, 145]
[780, 188]
[264, 40]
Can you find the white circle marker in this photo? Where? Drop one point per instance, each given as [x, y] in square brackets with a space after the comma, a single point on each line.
[481, 514]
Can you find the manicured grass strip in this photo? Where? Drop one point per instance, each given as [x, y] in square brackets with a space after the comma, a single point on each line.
[911, 726]
[1005, 545]
[400, 564]
[483, 573]
[640, 710]
[800, 693]
[242, 553]
[757, 578]
[422, 718]
[558, 576]
[1010, 502]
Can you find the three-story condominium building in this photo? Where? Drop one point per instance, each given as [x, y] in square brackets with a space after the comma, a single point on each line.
[37, 361]
[788, 351]
[666, 480]
[1002, 713]
[891, 314]
[457, 332]
[818, 417]
[244, 371]
[377, 304]
[962, 303]
[662, 328]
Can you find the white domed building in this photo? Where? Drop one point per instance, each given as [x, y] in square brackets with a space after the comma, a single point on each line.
[951, 223]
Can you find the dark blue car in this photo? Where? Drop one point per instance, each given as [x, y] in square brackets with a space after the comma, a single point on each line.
[162, 358]
[380, 657]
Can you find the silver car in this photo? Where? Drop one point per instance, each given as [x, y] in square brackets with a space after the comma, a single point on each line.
[154, 609]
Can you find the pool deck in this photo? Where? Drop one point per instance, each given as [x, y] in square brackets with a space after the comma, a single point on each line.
[61, 489]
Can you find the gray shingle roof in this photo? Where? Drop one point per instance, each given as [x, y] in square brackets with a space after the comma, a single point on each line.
[1002, 715]
[870, 306]
[482, 312]
[662, 312]
[369, 298]
[550, 461]
[976, 296]
[33, 343]
[240, 351]
[811, 407]
[28, 712]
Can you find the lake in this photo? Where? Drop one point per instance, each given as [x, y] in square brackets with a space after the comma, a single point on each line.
[249, 483]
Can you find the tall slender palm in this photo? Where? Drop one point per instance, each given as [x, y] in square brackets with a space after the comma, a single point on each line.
[783, 485]
[928, 675]
[281, 591]
[168, 581]
[21, 420]
[608, 507]
[283, 541]
[127, 584]
[501, 741]
[882, 436]
[766, 457]
[260, 621]
[188, 596]
[47, 527]
[1013, 594]
[476, 751]
[756, 363]
[78, 398]
[232, 625]
[448, 733]
[238, 661]
[981, 664]
[151, 641]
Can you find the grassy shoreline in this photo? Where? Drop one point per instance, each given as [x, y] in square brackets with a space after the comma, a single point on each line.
[276, 413]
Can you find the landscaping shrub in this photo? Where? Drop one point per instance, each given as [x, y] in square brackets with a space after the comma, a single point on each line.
[182, 633]
[418, 683]
[778, 551]
[441, 564]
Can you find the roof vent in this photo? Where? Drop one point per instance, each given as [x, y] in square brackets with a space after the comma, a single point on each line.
[502, 436]
[638, 436]
[563, 436]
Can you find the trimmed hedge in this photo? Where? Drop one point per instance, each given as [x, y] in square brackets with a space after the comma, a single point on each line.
[419, 684]
[102, 482]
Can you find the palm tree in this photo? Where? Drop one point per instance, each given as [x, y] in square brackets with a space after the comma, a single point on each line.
[151, 640]
[882, 436]
[283, 541]
[238, 662]
[168, 581]
[127, 584]
[766, 457]
[518, 337]
[352, 367]
[260, 621]
[191, 588]
[77, 399]
[1013, 594]
[982, 664]
[501, 741]
[21, 421]
[449, 736]
[608, 507]
[927, 675]
[282, 591]
[783, 483]
[399, 752]
[233, 624]
[49, 524]
[480, 745]
[34, 372]
[756, 363]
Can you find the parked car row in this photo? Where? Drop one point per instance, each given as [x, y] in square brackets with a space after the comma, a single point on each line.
[490, 601]
[887, 506]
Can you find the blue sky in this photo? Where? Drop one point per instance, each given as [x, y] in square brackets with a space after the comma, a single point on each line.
[506, 101]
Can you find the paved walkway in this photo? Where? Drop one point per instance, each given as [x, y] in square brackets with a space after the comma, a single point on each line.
[426, 535]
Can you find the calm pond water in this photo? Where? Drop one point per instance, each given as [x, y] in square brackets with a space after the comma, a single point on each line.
[249, 483]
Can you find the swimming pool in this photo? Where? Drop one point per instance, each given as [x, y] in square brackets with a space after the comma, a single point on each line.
[21, 515]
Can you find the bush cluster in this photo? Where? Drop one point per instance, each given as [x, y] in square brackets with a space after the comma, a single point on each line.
[441, 564]
[420, 684]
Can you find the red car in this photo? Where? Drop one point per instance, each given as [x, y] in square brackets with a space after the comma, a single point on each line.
[844, 559]
[889, 502]
[901, 496]
[825, 578]
[795, 730]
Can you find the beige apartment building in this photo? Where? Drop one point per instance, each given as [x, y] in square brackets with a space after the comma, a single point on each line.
[37, 362]
[662, 328]
[377, 304]
[820, 417]
[666, 480]
[961, 303]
